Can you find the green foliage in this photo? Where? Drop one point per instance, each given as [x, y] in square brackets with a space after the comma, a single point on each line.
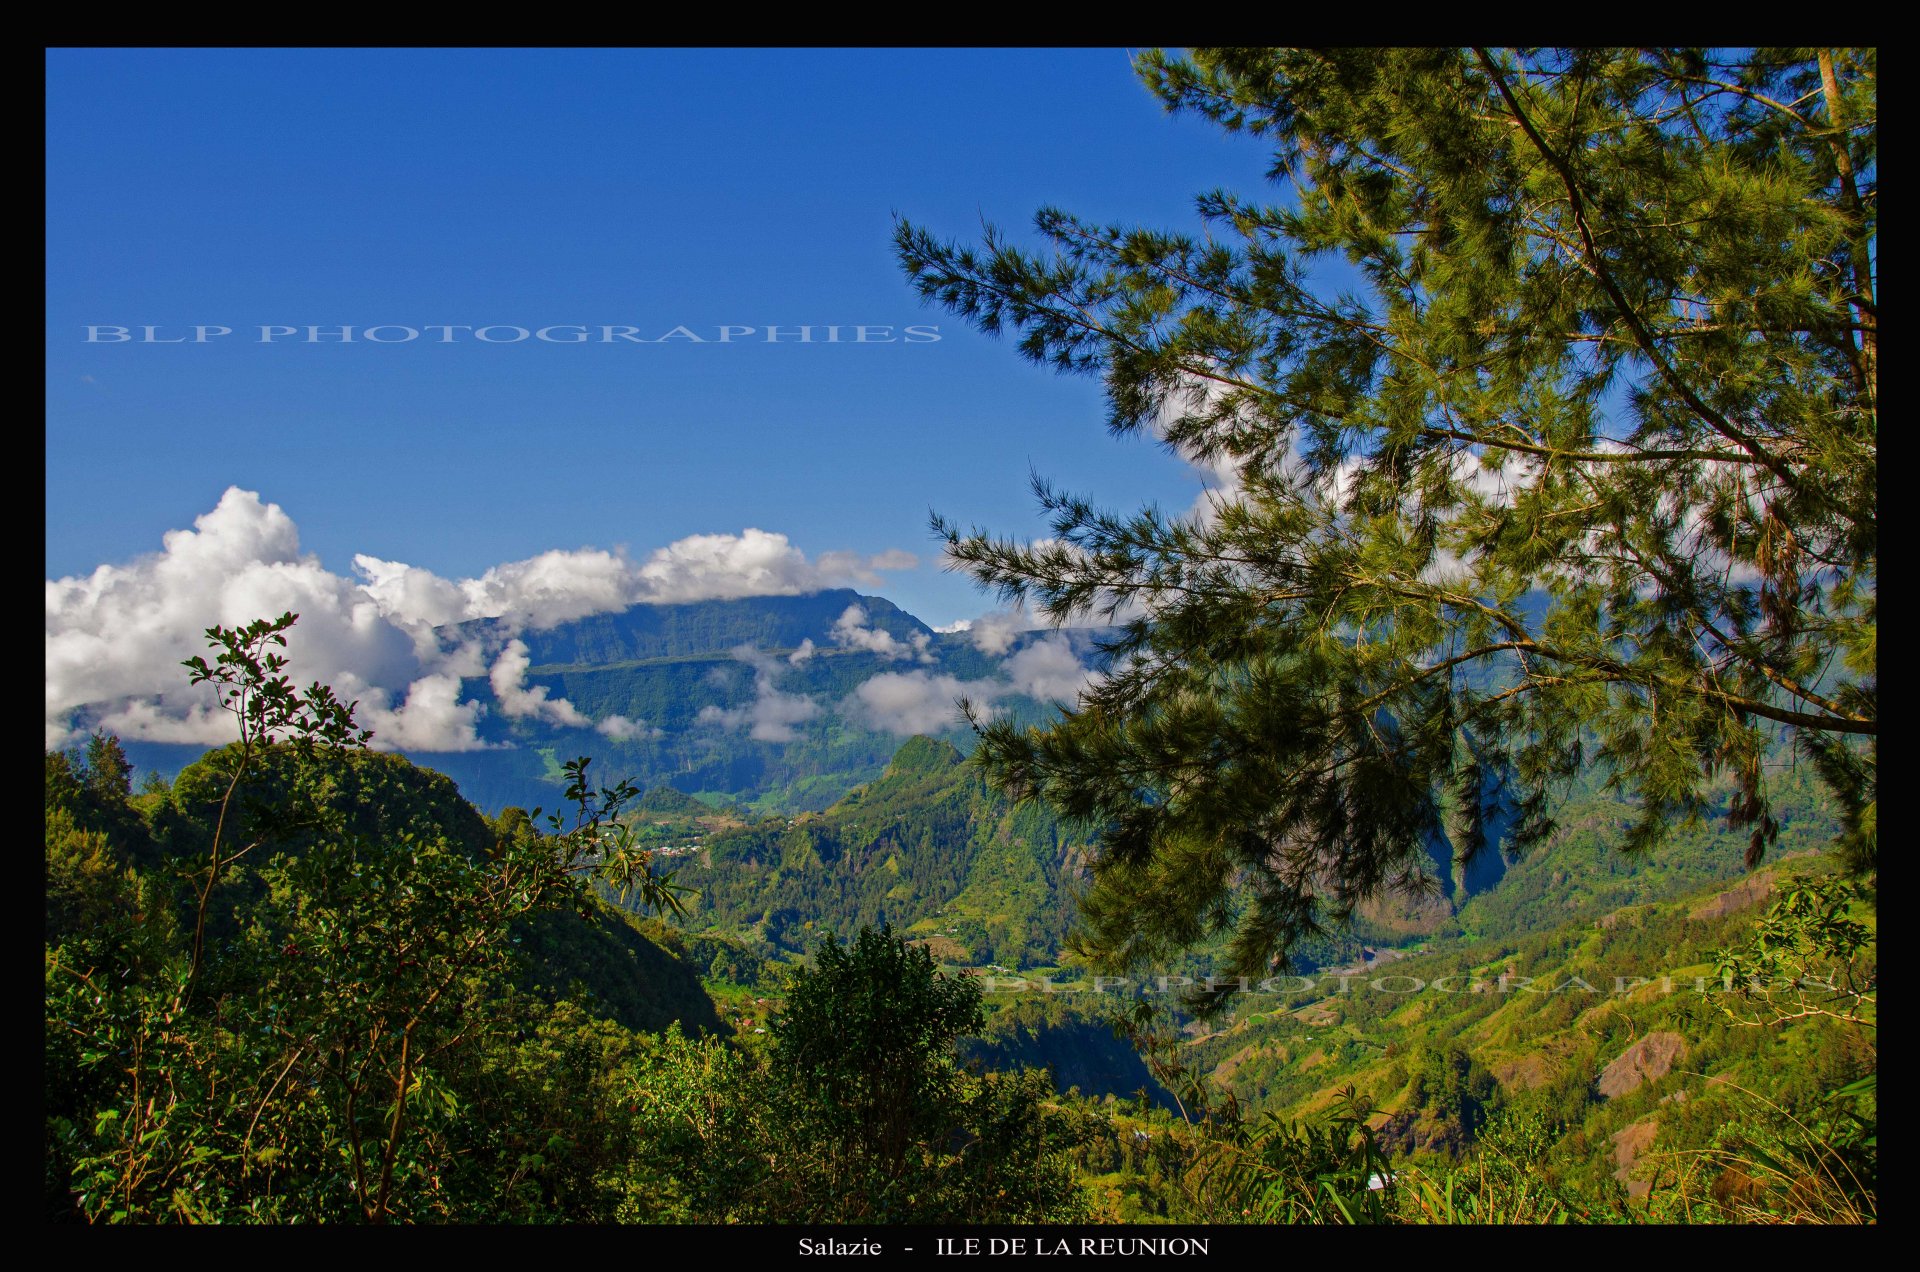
[1448, 1085]
[1809, 956]
[1771, 1166]
[865, 1052]
[406, 1013]
[638, 973]
[314, 1062]
[925, 847]
[548, 1128]
[1573, 463]
[247, 675]
[107, 772]
[1582, 871]
[867, 1037]
[409, 1013]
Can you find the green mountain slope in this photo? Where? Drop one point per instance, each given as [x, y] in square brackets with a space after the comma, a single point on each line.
[925, 847]
[1600, 1031]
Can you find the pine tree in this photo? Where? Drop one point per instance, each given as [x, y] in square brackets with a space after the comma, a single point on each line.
[1546, 401]
[109, 772]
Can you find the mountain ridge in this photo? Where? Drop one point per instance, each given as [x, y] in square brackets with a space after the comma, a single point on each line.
[753, 699]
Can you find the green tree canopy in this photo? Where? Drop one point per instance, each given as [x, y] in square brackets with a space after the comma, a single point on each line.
[869, 1036]
[1544, 397]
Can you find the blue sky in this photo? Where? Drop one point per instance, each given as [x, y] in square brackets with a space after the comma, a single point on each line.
[527, 188]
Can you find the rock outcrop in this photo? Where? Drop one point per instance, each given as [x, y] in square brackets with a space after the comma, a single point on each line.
[1748, 892]
[1628, 1143]
[1647, 1060]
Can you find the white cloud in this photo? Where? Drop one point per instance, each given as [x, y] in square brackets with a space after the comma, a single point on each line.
[553, 588]
[708, 566]
[851, 567]
[432, 719]
[509, 681]
[115, 637]
[200, 723]
[914, 701]
[850, 631]
[995, 633]
[772, 714]
[621, 729]
[410, 595]
[560, 586]
[1049, 670]
[957, 625]
[919, 701]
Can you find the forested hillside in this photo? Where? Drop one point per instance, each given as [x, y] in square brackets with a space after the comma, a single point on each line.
[1585, 1062]
[924, 847]
[307, 982]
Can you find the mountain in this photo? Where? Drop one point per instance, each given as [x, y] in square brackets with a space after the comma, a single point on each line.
[925, 847]
[930, 849]
[647, 633]
[1612, 1031]
[755, 700]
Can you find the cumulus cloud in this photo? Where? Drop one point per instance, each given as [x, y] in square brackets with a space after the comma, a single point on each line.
[411, 595]
[957, 625]
[431, 719]
[851, 567]
[621, 729]
[1048, 669]
[560, 586]
[553, 588]
[200, 723]
[509, 681]
[115, 637]
[995, 633]
[709, 566]
[851, 631]
[915, 701]
[773, 714]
